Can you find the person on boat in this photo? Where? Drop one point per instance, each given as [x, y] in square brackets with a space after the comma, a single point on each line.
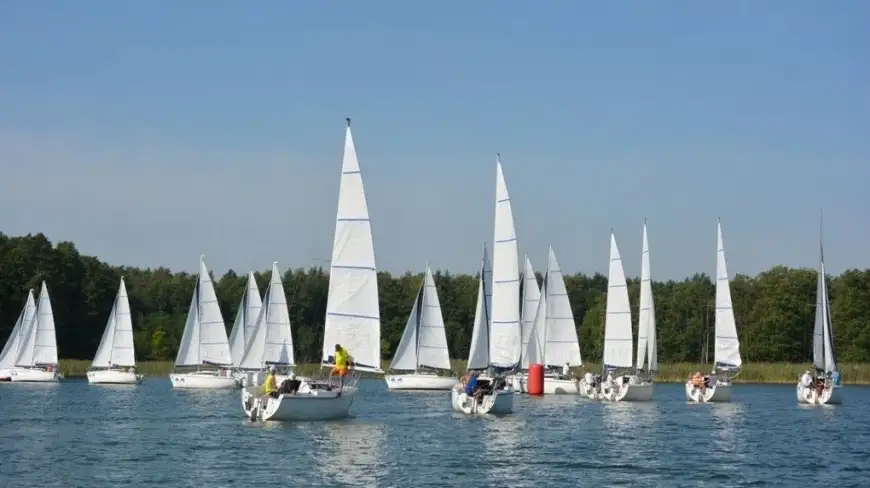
[589, 379]
[342, 358]
[291, 384]
[711, 380]
[472, 389]
[269, 386]
[698, 381]
[807, 380]
[835, 378]
[566, 369]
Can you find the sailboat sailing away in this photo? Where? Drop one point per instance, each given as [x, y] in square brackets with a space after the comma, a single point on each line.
[423, 346]
[352, 313]
[13, 344]
[204, 344]
[494, 393]
[37, 356]
[115, 360]
[824, 388]
[717, 386]
[244, 327]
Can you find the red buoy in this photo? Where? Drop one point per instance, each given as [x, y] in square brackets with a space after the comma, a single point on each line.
[535, 383]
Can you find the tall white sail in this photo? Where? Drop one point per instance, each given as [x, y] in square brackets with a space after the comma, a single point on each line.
[246, 320]
[618, 342]
[534, 349]
[116, 346]
[561, 345]
[272, 338]
[353, 317]
[39, 346]
[505, 336]
[646, 323]
[478, 354]
[727, 345]
[424, 342]
[13, 345]
[531, 296]
[823, 336]
[204, 339]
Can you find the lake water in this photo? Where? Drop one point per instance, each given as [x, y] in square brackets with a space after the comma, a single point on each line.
[77, 435]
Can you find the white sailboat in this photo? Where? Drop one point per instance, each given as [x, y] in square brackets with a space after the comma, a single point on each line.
[531, 296]
[727, 356]
[115, 360]
[505, 337]
[423, 347]
[204, 343]
[352, 313]
[271, 340]
[553, 341]
[13, 344]
[37, 358]
[647, 357]
[243, 329]
[828, 391]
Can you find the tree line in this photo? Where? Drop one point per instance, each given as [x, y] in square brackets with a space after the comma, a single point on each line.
[774, 310]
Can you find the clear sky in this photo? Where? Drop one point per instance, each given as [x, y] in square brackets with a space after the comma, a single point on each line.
[152, 132]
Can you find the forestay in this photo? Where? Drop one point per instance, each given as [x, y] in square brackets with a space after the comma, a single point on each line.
[424, 342]
[505, 337]
[9, 355]
[531, 296]
[352, 315]
[478, 354]
[272, 340]
[561, 345]
[246, 320]
[618, 342]
[39, 346]
[646, 323]
[727, 345]
[116, 346]
[205, 337]
[823, 342]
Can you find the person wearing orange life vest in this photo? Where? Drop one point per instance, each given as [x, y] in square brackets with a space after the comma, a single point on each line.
[342, 361]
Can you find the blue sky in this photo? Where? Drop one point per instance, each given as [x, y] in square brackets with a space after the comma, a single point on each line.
[150, 135]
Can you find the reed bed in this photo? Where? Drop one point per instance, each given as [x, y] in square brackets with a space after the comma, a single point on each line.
[855, 374]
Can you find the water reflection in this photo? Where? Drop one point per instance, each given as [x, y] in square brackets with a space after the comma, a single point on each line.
[351, 452]
[727, 439]
[501, 443]
[631, 442]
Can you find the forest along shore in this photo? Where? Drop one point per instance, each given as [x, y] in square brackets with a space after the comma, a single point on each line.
[775, 373]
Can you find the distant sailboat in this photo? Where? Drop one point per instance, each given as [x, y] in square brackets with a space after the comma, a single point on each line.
[204, 344]
[352, 311]
[245, 324]
[727, 360]
[115, 360]
[13, 344]
[423, 346]
[647, 356]
[827, 390]
[531, 296]
[37, 357]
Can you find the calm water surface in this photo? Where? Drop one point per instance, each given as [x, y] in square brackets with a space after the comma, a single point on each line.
[77, 435]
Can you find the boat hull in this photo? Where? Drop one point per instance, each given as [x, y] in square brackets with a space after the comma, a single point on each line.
[417, 381]
[113, 377]
[306, 405]
[719, 393]
[6, 374]
[552, 385]
[808, 396]
[618, 390]
[23, 375]
[202, 381]
[500, 402]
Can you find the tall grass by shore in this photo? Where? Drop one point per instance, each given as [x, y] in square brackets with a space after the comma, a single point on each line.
[856, 374]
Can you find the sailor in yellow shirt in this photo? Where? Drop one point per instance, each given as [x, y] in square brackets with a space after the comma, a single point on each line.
[342, 358]
[269, 386]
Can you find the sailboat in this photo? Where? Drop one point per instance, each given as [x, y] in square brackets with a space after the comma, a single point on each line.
[505, 337]
[271, 340]
[37, 358]
[243, 329]
[531, 296]
[423, 346]
[13, 344]
[204, 343]
[642, 380]
[727, 356]
[553, 340]
[824, 359]
[352, 313]
[618, 340]
[115, 360]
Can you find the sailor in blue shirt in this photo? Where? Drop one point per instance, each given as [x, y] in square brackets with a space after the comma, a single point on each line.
[471, 385]
[835, 377]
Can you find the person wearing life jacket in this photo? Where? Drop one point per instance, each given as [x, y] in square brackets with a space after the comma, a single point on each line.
[342, 360]
[698, 381]
[269, 386]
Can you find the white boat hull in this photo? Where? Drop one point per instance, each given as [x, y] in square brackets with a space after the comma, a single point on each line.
[552, 385]
[202, 381]
[719, 393]
[417, 381]
[500, 402]
[306, 405]
[113, 377]
[23, 375]
[618, 390]
[829, 396]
